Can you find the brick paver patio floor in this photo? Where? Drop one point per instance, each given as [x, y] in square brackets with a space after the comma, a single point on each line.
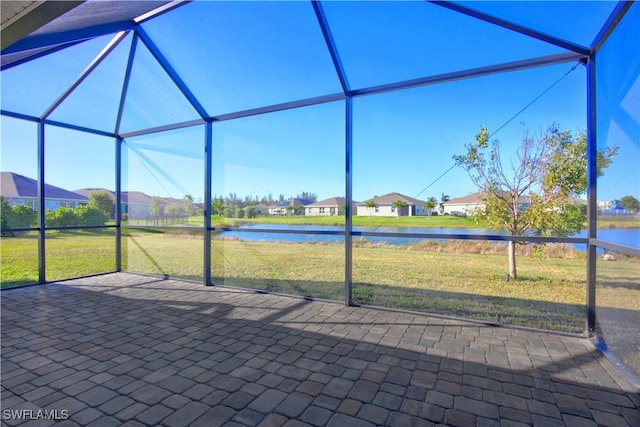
[130, 350]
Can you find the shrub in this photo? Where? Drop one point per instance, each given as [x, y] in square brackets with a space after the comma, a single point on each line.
[62, 217]
[91, 215]
[20, 216]
[250, 212]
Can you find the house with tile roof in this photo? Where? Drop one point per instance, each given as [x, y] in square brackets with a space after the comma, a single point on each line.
[86, 192]
[133, 203]
[21, 190]
[261, 209]
[467, 205]
[329, 207]
[386, 206]
[297, 207]
[136, 204]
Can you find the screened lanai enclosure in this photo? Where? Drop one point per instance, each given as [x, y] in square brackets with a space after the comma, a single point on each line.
[307, 148]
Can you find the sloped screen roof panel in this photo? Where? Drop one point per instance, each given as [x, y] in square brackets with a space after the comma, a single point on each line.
[152, 98]
[241, 55]
[384, 42]
[574, 21]
[32, 87]
[94, 103]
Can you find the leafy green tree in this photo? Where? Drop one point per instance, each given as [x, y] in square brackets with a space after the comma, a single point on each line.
[156, 210]
[103, 200]
[174, 211]
[230, 211]
[5, 214]
[188, 208]
[62, 217]
[308, 195]
[399, 206]
[431, 204]
[444, 198]
[371, 205]
[533, 196]
[91, 215]
[217, 207]
[23, 216]
[19, 216]
[289, 209]
[251, 211]
[630, 203]
[239, 213]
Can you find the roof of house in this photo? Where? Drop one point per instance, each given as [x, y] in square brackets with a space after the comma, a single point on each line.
[86, 192]
[171, 201]
[576, 200]
[16, 185]
[136, 197]
[294, 201]
[476, 198]
[132, 196]
[332, 201]
[389, 199]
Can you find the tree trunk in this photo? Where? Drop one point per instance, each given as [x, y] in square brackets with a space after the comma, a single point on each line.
[513, 274]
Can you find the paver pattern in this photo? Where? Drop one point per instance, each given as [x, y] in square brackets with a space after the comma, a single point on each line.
[130, 350]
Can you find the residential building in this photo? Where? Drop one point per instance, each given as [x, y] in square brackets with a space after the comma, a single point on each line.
[296, 204]
[467, 205]
[21, 190]
[386, 205]
[329, 207]
[604, 205]
[136, 205]
[262, 209]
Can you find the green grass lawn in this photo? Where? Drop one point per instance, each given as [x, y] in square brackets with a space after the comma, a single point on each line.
[434, 278]
[69, 254]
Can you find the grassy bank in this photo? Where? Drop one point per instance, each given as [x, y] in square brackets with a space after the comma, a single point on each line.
[359, 221]
[445, 221]
[624, 223]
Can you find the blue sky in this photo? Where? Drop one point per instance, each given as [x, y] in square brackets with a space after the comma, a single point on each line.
[250, 55]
